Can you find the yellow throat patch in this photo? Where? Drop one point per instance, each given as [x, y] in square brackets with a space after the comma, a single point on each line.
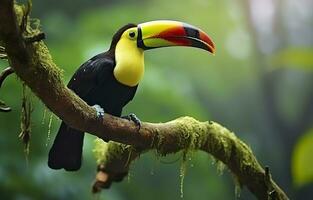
[129, 58]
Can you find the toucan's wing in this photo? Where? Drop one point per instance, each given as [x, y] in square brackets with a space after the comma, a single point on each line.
[90, 74]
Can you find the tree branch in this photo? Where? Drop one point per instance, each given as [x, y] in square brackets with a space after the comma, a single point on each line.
[189, 134]
[31, 60]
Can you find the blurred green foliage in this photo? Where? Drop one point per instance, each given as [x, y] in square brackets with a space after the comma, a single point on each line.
[228, 88]
[302, 160]
[294, 57]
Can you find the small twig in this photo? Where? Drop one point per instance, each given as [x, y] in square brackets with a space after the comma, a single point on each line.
[2, 49]
[5, 73]
[272, 195]
[3, 56]
[267, 174]
[35, 38]
[104, 179]
[26, 10]
[101, 181]
[27, 109]
[267, 179]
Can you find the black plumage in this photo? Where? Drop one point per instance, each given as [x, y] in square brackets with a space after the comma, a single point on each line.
[95, 83]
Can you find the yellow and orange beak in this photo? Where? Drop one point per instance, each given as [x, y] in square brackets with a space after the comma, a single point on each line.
[164, 33]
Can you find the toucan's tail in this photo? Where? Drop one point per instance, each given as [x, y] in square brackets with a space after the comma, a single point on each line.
[66, 151]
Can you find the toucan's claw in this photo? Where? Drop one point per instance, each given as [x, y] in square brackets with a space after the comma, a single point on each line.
[100, 111]
[134, 118]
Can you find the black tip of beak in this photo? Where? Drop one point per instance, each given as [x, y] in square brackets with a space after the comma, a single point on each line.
[199, 38]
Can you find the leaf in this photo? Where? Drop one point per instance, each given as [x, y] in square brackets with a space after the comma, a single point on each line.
[299, 58]
[302, 160]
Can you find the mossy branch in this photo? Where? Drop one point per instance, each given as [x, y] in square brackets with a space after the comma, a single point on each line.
[32, 59]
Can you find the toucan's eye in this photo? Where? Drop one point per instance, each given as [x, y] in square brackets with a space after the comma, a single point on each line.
[132, 34]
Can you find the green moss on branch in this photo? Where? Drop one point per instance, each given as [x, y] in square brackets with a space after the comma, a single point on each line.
[187, 134]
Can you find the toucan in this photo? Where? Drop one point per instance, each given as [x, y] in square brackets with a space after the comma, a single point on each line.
[109, 80]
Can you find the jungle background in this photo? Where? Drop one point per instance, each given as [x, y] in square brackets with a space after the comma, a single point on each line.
[259, 84]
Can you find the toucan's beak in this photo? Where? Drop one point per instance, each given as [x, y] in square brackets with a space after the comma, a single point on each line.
[164, 33]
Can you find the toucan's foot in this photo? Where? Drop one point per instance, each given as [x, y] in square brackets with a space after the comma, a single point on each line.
[134, 118]
[99, 110]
